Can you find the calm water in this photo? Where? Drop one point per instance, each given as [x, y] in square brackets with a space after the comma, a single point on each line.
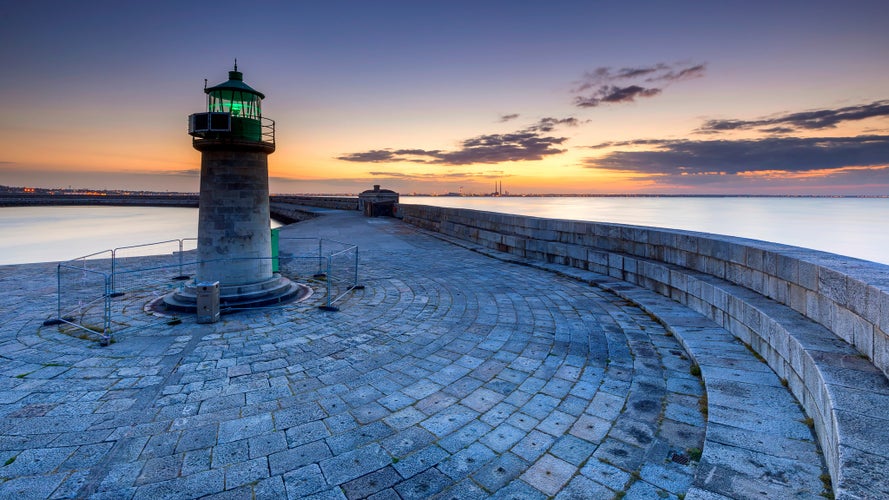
[46, 234]
[848, 226]
[856, 227]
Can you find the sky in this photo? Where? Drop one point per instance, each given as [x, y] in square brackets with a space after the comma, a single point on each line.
[586, 97]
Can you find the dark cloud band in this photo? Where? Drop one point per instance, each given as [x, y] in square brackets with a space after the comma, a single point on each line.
[684, 157]
[806, 120]
[527, 144]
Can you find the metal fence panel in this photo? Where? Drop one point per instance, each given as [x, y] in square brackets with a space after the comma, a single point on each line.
[107, 293]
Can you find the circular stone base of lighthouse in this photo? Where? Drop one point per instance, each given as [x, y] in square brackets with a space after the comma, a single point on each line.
[278, 290]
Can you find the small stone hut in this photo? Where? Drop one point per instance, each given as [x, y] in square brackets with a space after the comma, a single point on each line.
[377, 202]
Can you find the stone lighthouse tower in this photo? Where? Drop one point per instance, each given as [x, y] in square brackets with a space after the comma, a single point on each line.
[234, 239]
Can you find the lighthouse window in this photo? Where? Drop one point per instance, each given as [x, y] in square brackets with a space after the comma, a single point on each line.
[241, 104]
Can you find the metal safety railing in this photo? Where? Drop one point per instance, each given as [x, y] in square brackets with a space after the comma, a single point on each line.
[108, 293]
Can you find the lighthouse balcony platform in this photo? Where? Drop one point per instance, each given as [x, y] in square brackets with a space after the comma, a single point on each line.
[216, 129]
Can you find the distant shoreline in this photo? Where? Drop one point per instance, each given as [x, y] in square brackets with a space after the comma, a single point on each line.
[112, 198]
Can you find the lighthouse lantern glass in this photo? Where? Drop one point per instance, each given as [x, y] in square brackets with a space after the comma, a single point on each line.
[239, 104]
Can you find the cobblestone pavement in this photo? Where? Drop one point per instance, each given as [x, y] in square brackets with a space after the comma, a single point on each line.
[450, 375]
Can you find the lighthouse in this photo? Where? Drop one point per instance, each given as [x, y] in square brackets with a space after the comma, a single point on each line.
[234, 238]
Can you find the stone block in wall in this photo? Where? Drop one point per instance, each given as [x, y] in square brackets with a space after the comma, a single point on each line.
[577, 252]
[615, 261]
[534, 255]
[737, 253]
[694, 303]
[881, 350]
[808, 275]
[797, 298]
[856, 296]
[863, 333]
[782, 290]
[770, 263]
[788, 268]
[755, 258]
[630, 265]
[758, 280]
[753, 317]
[827, 312]
[739, 330]
[832, 284]
[884, 312]
[678, 295]
[687, 243]
[514, 242]
[720, 298]
[597, 257]
[721, 250]
[737, 274]
[546, 235]
[812, 305]
[670, 256]
[777, 338]
[489, 238]
[772, 285]
[676, 256]
[693, 261]
[715, 267]
[872, 304]
[704, 290]
[679, 280]
[556, 249]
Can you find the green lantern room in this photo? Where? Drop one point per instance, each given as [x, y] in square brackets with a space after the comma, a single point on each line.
[234, 112]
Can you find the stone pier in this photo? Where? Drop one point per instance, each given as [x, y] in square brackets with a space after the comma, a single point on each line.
[461, 370]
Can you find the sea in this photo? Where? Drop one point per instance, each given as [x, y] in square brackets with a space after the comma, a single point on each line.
[855, 227]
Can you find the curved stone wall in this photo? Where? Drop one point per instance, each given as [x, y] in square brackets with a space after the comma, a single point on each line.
[819, 320]
[333, 202]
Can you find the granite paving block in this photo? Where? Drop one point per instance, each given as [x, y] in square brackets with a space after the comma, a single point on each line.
[247, 472]
[420, 461]
[302, 482]
[306, 433]
[502, 437]
[548, 474]
[518, 490]
[465, 461]
[372, 483]
[299, 456]
[347, 466]
[581, 488]
[572, 449]
[464, 436]
[423, 485]
[500, 471]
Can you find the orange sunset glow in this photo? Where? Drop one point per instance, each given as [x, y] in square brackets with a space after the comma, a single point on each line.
[734, 99]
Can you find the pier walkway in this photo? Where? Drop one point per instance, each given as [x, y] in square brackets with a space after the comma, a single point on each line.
[452, 374]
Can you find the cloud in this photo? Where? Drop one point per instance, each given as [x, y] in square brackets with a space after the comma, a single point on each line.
[805, 120]
[549, 124]
[509, 117]
[528, 144]
[613, 94]
[611, 86]
[436, 175]
[187, 172]
[724, 157]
